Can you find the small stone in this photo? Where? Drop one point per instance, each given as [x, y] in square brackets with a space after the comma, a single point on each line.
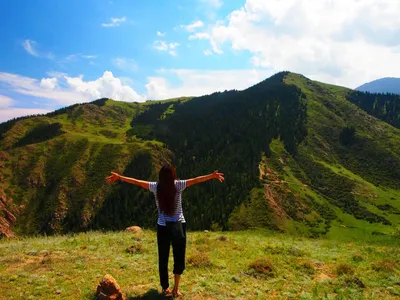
[108, 289]
[135, 230]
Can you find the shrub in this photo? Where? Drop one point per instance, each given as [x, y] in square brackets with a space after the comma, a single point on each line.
[262, 267]
[344, 269]
[216, 226]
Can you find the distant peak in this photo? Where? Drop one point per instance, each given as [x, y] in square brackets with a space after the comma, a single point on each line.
[389, 85]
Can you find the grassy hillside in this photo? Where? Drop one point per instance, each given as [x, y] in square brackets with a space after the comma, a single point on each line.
[330, 185]
[57, 176]
[297, 154]
[220, 265]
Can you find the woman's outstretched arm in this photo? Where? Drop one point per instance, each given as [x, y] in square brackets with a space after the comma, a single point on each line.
[114, 177]
[214, 175]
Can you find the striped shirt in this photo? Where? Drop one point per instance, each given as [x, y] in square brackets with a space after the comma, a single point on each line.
[180, 185]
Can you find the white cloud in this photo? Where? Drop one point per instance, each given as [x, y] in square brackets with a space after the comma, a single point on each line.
[115, 22]
[32, 87]
[192, 27]
[125, 64]
[73, 90]
[160, 45]
[48, 83]
[105, 86]
[89, 56]
[199, 36]
[164, 46]
[56, 74]
[30, 47]
[207, 52]
[213, 3]
[70, 57]
[75, 57]
[346, 42]
[126, 80]
[199, 82]
[11, 113]
[160, 33]
[206, 36]
[5, 101]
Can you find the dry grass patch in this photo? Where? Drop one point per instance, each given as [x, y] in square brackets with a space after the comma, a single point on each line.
[384, 265]
[307, 267]
[199, 259]
[135, 248]
[344, 269]
[222, 238]
[262, 267]
[354, 282]
[357, 257]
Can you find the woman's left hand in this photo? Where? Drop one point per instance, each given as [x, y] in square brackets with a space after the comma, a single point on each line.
[114, 177]
[218, 175]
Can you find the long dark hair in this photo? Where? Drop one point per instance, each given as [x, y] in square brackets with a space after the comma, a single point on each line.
[166, 190]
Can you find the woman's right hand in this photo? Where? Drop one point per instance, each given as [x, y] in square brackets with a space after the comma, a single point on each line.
[114, 177]
[219, 176]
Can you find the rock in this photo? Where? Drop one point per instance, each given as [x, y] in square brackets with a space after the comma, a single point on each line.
[206, 231]
[108, 289]
[135, 229]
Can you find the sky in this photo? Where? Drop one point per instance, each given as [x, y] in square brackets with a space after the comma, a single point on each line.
[57, 53]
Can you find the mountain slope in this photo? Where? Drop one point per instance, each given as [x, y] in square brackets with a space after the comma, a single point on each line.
[385, 107]
[382, 85]
[297, 154]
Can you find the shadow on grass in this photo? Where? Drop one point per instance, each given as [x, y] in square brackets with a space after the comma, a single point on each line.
[150, 295]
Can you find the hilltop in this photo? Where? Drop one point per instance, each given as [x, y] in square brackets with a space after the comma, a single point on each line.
[299, 156]
[220, 265]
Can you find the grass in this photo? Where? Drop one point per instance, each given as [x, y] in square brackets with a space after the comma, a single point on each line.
[241, 265]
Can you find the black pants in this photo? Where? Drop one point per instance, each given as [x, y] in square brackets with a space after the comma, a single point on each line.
[166, 236]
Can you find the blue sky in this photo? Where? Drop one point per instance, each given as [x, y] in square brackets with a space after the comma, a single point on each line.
[56, 53]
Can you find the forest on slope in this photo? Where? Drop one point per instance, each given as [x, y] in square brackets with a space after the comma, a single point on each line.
[298, 156]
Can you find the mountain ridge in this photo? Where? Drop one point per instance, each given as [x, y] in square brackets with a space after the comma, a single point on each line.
[282, 143]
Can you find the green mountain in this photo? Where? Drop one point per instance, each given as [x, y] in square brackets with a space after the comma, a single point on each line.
[298, 156]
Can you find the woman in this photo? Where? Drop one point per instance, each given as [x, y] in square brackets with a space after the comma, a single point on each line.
[171, 225]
